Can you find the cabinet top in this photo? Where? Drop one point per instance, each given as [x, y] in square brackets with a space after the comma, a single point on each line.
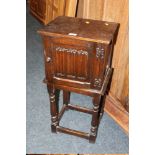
[83, 29]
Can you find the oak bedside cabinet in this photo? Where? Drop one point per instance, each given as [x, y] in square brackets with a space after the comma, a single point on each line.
[77, 55]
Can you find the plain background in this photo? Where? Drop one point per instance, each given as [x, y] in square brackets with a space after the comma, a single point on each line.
[13, 77]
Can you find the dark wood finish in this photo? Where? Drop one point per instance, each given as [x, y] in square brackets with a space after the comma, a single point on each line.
[95, 118]
[38, 9]
[54, 110]
[66, 97]
[47, 10]
[73, 132]
[80, 109]
[86, 29]
[77, 55]
[64, 107]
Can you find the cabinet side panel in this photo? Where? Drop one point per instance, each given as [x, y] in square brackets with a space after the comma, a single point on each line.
[48, 59]
[99, 63]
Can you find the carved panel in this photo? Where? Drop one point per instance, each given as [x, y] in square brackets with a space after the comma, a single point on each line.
[71, 63]
[61, 49]
[97, 83]
[100, 52]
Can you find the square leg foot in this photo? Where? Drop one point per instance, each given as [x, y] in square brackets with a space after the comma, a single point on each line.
[92, 139]
[53, 129]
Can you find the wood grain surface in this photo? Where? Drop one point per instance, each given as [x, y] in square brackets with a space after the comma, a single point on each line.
[116, 11]
[47, 10]
[70, 9]
[83, 29]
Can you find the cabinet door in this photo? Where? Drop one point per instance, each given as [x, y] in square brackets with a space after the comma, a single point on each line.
[70, 62]
[75, 63]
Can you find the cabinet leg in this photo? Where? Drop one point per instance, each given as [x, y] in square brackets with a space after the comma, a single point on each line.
[102, 105]
[66, 97]
[95, 119]
[54, 111]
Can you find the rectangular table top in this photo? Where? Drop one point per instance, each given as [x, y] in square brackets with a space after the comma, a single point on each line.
[83, 29]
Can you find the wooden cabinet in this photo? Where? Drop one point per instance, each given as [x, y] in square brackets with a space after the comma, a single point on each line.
[109, 10]
[47, 10]
[41, 8]
[78, 50]
[77, 55]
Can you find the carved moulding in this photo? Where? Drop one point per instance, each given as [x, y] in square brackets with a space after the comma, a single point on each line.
[71, 50]
[100, 52]
[97, 83]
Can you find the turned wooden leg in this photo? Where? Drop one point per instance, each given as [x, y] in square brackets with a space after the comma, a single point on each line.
[95, 119]
[102, 104]
[66, 97]
[53, 110]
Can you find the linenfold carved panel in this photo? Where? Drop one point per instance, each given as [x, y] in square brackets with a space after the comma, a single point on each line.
[71, 63]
